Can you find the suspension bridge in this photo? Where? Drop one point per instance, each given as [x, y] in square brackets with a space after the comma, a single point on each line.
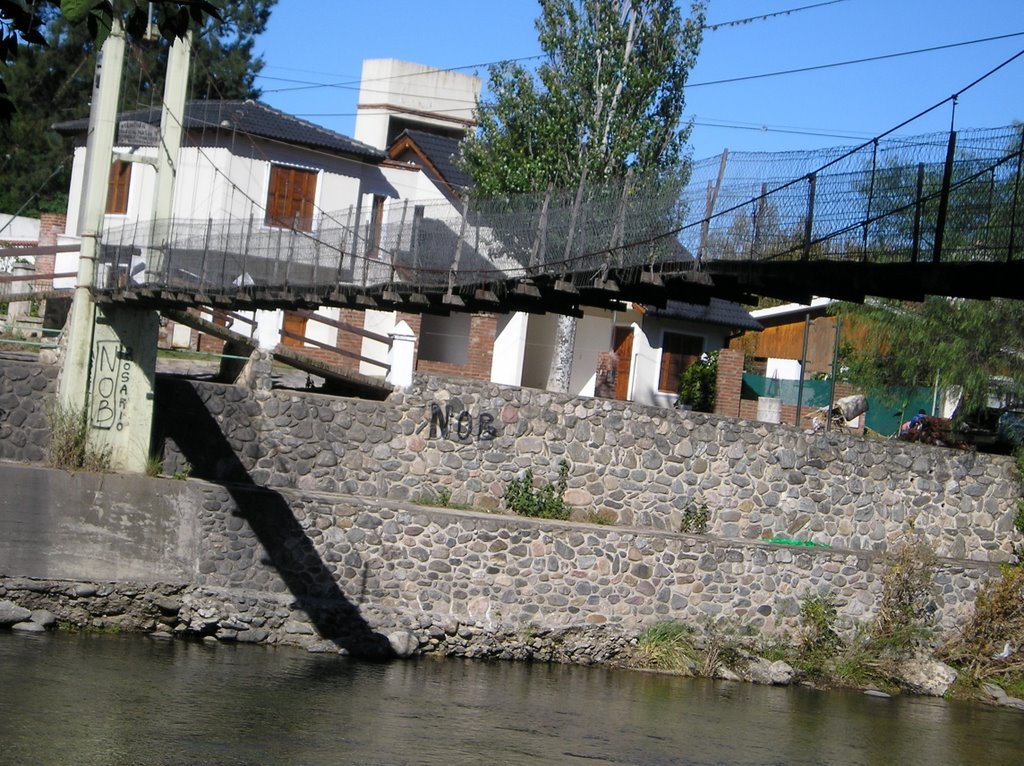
[903, 218]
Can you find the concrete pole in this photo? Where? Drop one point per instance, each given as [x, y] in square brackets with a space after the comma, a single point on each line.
[171, 121]
[74, 380]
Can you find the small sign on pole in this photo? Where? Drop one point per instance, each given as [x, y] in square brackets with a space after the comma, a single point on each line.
[136, 133]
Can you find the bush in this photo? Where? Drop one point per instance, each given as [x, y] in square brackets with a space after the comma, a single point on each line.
[695, 517]
[906, 598]
[998, 620]
[69, 441]
[819, 641]
[698, 383]
[545, 502]
[667, 645]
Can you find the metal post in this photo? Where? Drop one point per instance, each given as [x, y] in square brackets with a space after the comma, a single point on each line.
[835, 372]
[1016, 198]
[947, 178]
[916, 247]
[871, 199]
[809, 221]
[803, 370]
[759, 213]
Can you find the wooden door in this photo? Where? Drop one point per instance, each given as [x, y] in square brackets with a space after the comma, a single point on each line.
[295, 324]
[624, 354]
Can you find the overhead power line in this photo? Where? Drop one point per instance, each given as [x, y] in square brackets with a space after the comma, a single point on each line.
[853, 61]
[766, 16]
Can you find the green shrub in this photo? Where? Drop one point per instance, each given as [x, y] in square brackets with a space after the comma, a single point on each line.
[819, 641]
[908, 587]
[69, 441]
[695, 517]
[698, 383]
[544, 502]
[667, 645]
[998, 620]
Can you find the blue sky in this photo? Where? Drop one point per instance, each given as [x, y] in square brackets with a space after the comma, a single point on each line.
[325, 41]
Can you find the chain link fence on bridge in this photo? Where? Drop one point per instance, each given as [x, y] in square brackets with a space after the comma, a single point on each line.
[897, 200]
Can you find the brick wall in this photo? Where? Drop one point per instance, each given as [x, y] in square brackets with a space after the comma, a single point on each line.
[50, 226]
[482, 330]
[729, 383]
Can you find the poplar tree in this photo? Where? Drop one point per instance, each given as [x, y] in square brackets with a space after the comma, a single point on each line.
[608, 97]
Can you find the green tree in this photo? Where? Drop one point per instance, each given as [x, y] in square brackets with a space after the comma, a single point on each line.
[49, 80]
[608, 98]
[972, 348]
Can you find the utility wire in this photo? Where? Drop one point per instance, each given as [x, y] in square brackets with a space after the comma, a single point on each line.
[766, 16]
[852, 61]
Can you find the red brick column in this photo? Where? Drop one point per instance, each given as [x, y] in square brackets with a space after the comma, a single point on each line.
[729, 382]
[50, 226]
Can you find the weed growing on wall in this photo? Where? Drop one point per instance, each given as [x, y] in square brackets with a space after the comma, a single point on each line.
[544, 502]
[992, 641]
[819, 641]
[908, 589]
[69, 441]
[695, 517]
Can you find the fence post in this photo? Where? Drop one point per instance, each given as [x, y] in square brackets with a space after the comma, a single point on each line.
[918, 204]
[947, 178]
[871, 199]
[812, 180]
[1016, 198]
[540, 238]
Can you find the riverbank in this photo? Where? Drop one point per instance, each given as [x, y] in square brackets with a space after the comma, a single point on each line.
[377, 578]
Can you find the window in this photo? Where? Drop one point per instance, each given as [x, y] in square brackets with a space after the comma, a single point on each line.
[117, 187]
[290, 197]
[444, 339]
[678, 352]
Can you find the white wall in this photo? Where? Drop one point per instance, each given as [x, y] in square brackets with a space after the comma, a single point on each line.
[509, 349]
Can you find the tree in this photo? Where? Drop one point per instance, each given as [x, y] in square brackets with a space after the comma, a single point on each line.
[49, 79]
[973, 347]
[608, 98]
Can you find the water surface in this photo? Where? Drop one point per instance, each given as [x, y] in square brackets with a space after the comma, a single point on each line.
[93, 699]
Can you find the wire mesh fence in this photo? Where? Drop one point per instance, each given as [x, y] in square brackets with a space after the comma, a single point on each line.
[942, 197]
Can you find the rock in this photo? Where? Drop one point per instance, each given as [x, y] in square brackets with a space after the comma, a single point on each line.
[926, 676]
[725, 674]
[85, 590]
[11, 613]
[403, 643]
[44, 617]
[761, 671]
[877, 693]
[28, 627]
[995, 691]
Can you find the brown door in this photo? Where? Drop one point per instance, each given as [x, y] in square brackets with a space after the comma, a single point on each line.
[295, 324]
[623, 352]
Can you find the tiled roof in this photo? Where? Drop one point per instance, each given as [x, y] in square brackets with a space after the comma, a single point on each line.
[717, 312]
[441, 151]
[252, 117]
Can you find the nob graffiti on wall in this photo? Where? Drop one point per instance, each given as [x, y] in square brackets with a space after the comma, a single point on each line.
[462, 426]
[112, 371]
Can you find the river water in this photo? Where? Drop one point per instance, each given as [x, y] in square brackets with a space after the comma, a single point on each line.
[96, 699]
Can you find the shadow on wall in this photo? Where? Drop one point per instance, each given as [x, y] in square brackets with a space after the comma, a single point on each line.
[185, 421]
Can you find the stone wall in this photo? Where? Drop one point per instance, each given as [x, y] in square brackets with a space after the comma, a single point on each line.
[25, 389]
[643, 466]
[243, 563]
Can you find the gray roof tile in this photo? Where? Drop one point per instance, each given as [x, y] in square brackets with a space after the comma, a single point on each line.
[252, 117]
[717, 312]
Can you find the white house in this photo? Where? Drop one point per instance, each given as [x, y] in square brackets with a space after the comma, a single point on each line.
[242, 164]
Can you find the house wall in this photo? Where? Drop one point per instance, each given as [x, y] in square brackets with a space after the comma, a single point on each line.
[509, 348]
[647, 356]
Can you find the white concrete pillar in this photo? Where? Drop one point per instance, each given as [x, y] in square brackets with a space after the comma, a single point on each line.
[402, 355]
